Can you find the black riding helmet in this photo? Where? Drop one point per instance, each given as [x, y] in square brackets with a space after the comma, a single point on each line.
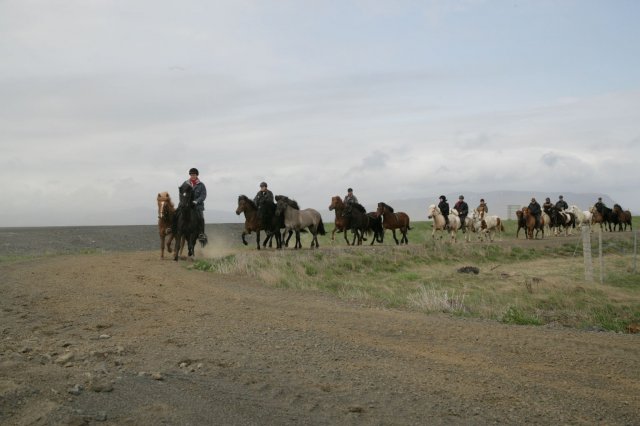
[193, 170]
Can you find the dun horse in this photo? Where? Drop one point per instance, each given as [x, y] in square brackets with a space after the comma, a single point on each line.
[166, 212]
[297, 220]
[393, 221]
[439, 222]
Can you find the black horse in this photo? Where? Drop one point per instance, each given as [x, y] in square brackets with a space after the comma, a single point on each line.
[358, 221]
[271, 224]
[375, 226]
[187, 221]
[610, 217]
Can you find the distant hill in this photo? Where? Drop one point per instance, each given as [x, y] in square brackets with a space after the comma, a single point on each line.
[498, 201]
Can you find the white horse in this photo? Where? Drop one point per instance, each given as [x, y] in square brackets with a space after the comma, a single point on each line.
[583, 218]
[486, 225]
[439, 222]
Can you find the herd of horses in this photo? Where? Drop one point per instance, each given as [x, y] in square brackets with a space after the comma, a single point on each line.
[561, 221]
[281, 219]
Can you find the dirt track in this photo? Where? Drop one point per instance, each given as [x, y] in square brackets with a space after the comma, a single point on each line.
[126, 338]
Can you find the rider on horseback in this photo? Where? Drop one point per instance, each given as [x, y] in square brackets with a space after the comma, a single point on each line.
[349, 201]
[263, 197]
[444, 209]
[561, 204]
[534, 209]
[463, 210]
[199, 195]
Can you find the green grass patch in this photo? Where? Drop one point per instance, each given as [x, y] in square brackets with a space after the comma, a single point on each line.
[524, 286]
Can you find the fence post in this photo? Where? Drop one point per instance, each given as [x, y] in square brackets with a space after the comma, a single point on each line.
[600, 256]
[586, 251]
[635, 252]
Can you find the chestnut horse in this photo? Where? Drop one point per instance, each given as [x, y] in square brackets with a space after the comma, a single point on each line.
[166, 212]
[393, 221]
[530, 223]
[341, 221]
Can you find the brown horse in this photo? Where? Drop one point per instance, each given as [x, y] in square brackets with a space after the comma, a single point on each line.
[521, 223]
[393, 221]
[597, 217]
[166, 212]
[251, 218]
[530, 224]
[341, 221]
[624, 217]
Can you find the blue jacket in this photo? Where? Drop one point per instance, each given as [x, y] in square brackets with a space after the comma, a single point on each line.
[199, 194]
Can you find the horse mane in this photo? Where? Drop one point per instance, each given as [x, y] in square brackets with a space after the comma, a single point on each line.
[289, 201]
[388, 207]
[247, 200]
[359, 207]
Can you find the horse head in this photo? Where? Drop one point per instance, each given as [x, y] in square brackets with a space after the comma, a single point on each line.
[432, 211]
[245, 203]
[164, 204]
[281, 205]
[186, 194]
[384, 208]
[336, 203]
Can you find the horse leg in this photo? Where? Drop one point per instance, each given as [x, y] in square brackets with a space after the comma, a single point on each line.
[346, 237]
[178, 246]
[162, 237]
[258, 239]
[171, 239]
[394, 236]
[298, 242]
[244, 241]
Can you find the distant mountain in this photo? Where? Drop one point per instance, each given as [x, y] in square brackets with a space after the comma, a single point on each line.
[498, 202]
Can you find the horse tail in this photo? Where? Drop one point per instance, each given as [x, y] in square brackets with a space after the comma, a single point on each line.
[320, 228]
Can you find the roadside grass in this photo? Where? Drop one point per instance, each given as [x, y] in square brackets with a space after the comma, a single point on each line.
[527, 286]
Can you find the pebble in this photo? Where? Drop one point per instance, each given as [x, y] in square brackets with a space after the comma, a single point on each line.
[63, 359]
[104, 336]
[75, 390]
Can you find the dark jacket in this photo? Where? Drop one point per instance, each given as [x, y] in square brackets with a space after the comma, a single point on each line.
[263, 197]
[534, 208]
[444, 208]
[199, 194]
[562, 205]
[462, 207]
[547, 206]
[350, 200]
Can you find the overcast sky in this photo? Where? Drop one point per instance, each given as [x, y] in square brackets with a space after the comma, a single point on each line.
[107, 102]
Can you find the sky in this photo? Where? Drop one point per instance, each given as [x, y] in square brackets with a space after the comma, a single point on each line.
[108, 102]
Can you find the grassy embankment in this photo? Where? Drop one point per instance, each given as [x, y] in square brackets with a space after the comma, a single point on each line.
[519, 285]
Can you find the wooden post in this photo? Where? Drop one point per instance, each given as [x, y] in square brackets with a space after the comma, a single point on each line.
[600, 255]
[586, 251]
[635, 252]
